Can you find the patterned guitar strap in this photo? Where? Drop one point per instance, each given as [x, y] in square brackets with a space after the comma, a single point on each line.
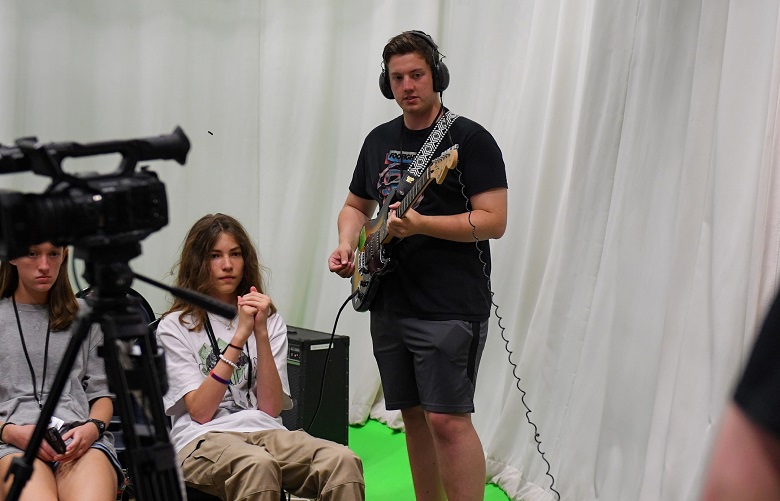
[423, 156]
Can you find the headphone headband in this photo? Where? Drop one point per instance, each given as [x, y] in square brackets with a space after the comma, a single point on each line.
[427, 38]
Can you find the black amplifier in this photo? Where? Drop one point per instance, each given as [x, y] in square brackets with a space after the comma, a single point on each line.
[320, 405]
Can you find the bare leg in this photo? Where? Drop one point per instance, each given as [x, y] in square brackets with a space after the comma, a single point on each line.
[89, 478]
[40, 486]
[461, 459]
[422, 456]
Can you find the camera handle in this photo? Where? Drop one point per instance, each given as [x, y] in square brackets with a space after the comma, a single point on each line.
[130, 367]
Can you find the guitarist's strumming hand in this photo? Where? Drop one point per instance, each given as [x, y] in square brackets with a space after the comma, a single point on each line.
[341, 261]
[352, 218]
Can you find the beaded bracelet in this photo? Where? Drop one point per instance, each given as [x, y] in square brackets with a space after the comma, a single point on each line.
[219, 379]
[227, 361]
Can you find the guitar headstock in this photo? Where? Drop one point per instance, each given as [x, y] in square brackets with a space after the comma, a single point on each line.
[444, 162]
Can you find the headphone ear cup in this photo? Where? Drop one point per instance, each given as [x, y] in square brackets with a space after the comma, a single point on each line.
[442, 77]
[384, 84]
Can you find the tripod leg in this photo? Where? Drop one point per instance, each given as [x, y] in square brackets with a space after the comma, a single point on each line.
[130, 365]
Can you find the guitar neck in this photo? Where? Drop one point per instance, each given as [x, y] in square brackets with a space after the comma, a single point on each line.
[414, 193]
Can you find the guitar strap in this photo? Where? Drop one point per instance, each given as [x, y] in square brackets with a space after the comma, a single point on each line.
[429, 147]
[423, 157]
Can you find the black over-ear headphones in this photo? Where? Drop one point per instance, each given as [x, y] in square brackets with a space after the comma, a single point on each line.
[441, 75]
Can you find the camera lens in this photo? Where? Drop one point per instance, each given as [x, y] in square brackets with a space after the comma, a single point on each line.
[104, 211]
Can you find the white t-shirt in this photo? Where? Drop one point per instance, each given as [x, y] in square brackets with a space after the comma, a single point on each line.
[187, 362]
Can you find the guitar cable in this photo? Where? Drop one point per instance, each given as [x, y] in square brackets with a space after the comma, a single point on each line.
[494, 307]
[327, 361]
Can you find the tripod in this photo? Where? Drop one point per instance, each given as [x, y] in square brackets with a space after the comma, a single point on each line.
[135, 367]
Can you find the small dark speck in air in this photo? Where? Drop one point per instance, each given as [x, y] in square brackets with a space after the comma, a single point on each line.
[210, 132]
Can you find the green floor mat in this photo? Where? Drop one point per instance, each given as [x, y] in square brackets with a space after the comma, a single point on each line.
[386, 467]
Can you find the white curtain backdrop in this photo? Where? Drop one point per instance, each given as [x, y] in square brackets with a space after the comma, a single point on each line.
[641, 142]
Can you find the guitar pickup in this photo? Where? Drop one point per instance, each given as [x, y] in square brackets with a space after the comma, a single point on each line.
[361, 264]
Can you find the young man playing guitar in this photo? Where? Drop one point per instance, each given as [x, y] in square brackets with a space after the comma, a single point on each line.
[430, 300]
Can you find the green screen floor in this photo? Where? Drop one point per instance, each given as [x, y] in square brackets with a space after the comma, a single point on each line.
[386, 467]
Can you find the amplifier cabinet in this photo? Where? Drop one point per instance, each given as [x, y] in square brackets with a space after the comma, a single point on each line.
[326, 404]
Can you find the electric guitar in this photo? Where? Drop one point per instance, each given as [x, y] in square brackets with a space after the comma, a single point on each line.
[372, 257]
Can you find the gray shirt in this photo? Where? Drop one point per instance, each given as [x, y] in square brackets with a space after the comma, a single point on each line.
[86, 383]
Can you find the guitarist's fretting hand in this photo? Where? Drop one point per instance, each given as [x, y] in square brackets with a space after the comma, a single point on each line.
[403, 227]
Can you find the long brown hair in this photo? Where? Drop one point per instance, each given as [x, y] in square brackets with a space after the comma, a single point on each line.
[63, 306]
[194, 270]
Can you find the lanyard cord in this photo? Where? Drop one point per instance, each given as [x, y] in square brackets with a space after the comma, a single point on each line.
[217, 353]
[27, 355]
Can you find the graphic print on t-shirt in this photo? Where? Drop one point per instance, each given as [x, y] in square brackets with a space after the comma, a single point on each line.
[397, 162]
[208, 360]
[239, 389]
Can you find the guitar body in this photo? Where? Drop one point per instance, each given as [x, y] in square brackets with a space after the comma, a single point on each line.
[372, 256]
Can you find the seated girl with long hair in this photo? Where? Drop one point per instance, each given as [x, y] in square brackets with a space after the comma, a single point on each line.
[228, 383]
[37, 309]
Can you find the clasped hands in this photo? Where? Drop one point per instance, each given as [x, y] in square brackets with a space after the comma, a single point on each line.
[253, 310]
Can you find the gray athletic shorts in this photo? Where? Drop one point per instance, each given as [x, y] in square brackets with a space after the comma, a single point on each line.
[430, 363]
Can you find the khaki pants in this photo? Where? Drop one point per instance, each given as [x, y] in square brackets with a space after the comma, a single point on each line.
[255, 466]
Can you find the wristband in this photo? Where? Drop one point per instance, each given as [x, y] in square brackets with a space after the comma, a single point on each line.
[234, 346]
[219, 379]
[101, 426]
[227, 361]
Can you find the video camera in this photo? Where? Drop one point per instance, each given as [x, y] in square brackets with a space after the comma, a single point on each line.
[104, 217]
[85, 210]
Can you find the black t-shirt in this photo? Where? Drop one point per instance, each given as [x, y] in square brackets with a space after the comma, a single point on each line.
[758, 391]
[433, 279]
